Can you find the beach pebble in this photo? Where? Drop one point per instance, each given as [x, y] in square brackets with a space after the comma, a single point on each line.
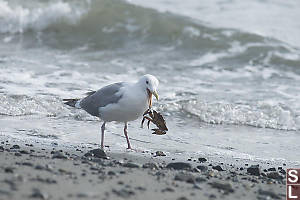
[182, 198]
[160, 153]
[202, 160]
[111, 173]
[24, 152]
[36, 193]
[218, 168]
[59, 155]
[226, 187]
[98, 153]
[168, 189]
[152, 166]
[15, 146]
[131, 165]
[39, 167]
[274, 175]
[1, 148]
[124, 193]
[29, 164]
[140, 188]
[9, 170]
[272, 169]
[202, 168]
[282, 171]
[18, 154]
[179, 166]
[253, 170]
[189, 178]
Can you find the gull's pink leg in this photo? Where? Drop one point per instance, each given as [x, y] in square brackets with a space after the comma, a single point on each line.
[125, 133]
[102, 135]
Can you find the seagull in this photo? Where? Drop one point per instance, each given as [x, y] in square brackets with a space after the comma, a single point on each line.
[120, 102]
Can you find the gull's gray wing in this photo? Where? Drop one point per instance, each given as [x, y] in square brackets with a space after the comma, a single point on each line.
[107, 95]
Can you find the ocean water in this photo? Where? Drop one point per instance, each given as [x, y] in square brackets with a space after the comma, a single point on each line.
[229, 73]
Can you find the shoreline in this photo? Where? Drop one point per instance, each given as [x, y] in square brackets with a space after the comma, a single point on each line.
[31, 171]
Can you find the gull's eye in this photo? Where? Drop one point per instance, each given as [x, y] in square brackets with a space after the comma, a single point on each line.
[147, 82]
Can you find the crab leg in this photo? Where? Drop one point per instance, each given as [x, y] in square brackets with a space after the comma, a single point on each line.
[149, 119]
[142, 122]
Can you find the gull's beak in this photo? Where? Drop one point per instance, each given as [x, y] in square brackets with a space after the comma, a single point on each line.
[155, 94]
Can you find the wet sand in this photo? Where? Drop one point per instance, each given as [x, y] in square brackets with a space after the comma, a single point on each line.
[30, 171]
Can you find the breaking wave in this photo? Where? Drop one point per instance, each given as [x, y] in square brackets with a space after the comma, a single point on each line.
[262, 114]
[109, 24]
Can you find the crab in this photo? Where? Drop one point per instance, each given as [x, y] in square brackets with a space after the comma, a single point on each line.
[157, 119]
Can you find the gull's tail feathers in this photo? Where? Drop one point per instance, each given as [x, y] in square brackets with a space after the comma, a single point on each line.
[76, 102]
[72, 102]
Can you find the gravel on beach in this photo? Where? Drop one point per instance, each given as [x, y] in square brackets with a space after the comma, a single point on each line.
[30, 172]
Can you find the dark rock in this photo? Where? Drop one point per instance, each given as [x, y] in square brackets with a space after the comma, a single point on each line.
[63, 171]
[82, 195]
[39, 167]
[152, 166]
[29, 164]
[131, 165]
[226, 187]
[94, 168]
[275, 175]
[97, 153]
[218, 167]
[9, 170]
[282, 171]
[272, 169]
[58, 155]
[24, 152]
[36, 193]
[179, 166]
[18, 154]
[1, 148]
[124, 193]
[253, 170]
[182, 198]
[168, 189]
[111, 173]
[15, 147]
[140, 188]
[202, 160]
[46, 180]
[189, 178]
[160, 153]
[202, 168]
[268, 193]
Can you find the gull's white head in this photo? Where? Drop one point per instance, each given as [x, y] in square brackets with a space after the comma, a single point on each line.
[150, 84]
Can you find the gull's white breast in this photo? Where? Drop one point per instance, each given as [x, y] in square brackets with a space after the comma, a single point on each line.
[131, 106]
